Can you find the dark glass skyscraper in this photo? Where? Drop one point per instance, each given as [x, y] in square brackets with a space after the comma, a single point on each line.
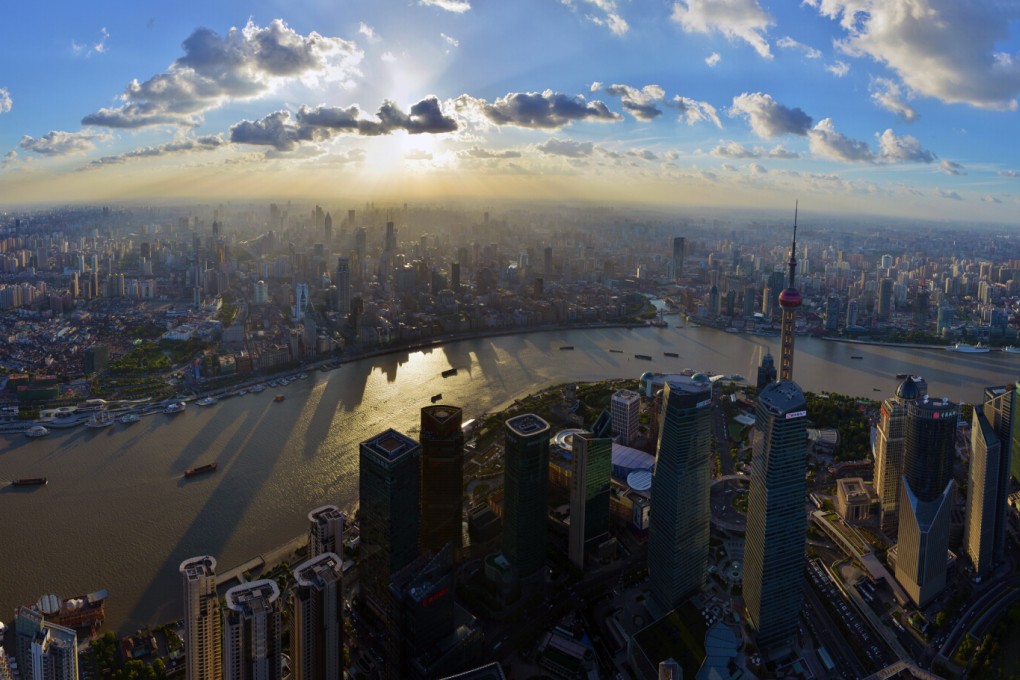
[389, 487]
[589, 494]
[776, 525]
[890, 438]
[679, 246]
[442, 477]
[678, 526]
[525, 488]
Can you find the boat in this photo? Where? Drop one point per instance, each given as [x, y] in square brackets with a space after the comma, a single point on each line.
[658, 322]
[201, 469]
[303, 376]
[274, 383]
[876, 389]
[30, 481]
[902, 376]
[279, 397]
[643, 356]
[448, 372]
[968, 349]
[1010, 349]
[567, 347]
[129, 418]
[36, 431]
[671, 354]
[258, 388]
[100, 419]
[437, 397]
[854, 356]
[616, 351]
[208, 401]
[176, 407]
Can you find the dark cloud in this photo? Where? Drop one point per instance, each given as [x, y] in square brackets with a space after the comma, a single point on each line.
[546, 110]
[478, 152]
[567, 147]
[243, 64]
[639, 103]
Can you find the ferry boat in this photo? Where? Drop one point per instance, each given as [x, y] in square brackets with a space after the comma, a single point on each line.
[100, 419]
[1010, 349]
[448, 372]
[208, 401]
[279, 397]
[129, 418]
[201, 469]
[671, 354]
[176, 407]
[616, 351]
[658, 322]
[30, 481]
[854, 356]
[567, 347]
[643, 356]
[36, 431]
[968, 349]
[437, 397]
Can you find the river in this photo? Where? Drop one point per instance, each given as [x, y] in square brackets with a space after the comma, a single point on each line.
[118, 515]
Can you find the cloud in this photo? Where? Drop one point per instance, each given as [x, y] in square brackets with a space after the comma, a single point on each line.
[789, 43]
[736, 150]
[182, 146]
[367, 31]
[452, 42]
[643, 154]
[606, 13]
[59, 143]
[244, 64]
[1012, 174]
[96, 48]
[948, 194]
[767, 117]
[639, 103]
[388, 57]
[418, 155]
[566, 147]
[742, 19]
[951, 168]
[839, 69]
[285, 132]
[904, 149]
[456, 6]
[478, 152]
[100, 46]
[547, 110]
[5, 100]
[693, 111]
[758, 169]
[889, 96]
[713, 59]
[825, 141]
[946, 49]
[988, 198]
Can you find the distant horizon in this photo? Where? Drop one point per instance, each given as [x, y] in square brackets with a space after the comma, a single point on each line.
[907, 109]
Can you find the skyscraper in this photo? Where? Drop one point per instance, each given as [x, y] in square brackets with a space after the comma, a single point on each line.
[422, 615]
[325, 530]
[679, 246]
[389, 486]
[766, 371]
[54, 653]
[988, 487]
[926, 498]
[678, 525]
[889, 442]
[625, 407]
[252, 630]
[202, 623]
[525, 487]
[442, 478]
[885, 299]
[343, 284]
[317, 625]
[589, 494]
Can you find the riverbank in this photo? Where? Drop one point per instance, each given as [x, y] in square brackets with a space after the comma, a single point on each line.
[880, 343]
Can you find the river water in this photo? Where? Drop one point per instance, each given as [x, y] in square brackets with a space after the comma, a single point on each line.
[117, 514]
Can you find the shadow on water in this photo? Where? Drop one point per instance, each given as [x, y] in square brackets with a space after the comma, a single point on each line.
[215, 523]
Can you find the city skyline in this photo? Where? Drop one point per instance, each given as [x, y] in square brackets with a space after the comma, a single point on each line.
[738, 103]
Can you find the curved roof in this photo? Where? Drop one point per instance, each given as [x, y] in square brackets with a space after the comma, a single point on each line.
[647, 375]
[632, 459]
[640, 480]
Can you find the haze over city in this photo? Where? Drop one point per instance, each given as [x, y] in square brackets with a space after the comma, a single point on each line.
[900, 108]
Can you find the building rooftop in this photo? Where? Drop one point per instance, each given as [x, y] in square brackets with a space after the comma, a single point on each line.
[324, 513]
[318, 571]
[628, 396]
[527, 425]
[783, 398]
[390, 445]
[253, 597]
[442, 414]
[193, 567]
[491, 671]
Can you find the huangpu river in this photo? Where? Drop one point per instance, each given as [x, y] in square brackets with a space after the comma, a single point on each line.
[118, 515]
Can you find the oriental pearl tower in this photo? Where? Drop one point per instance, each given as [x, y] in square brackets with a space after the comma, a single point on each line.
[789, 300]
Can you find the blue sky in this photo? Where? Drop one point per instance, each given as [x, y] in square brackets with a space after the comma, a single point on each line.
[903, 107]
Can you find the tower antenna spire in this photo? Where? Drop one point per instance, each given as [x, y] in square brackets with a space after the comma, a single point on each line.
[789, 300]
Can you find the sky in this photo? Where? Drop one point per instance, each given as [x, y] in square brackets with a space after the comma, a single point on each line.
[880, 107]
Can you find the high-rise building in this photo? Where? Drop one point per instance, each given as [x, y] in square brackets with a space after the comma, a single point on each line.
[261, 292]
[926, 498]
[766, 371]
[525, 487]
[389, 486]
[992, 446]
[317, 619]
[851, 313]
[625, 407]
[328, 228]
[589, 494]
[832, 313]
[422, 615]
[54, 653]
[252, 632]
[325, 530]
[442, 478]
[391, 238]
[890, 436]
[343, 284]
[678, 527]
[776, 527]
[679, 246]
[885, 299]
[202, 622]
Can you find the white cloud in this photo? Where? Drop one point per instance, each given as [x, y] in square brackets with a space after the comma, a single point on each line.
[693, 111]
[713, 59]
[100, 46]
[733, 149]
[839, 69]
[418, 155]
[639, 103]
[740, 19]
[825, 141]
[889, 96]
[452, 42]
[988, 198]
[788, 43]
[1011, 174]
[951, 168]
[367, 31]
[904, 149]
[767, 117]
[566, 147]
[388, 57]
[952, 195]
[95, 48]
[5, 100]
[946, 49]
[60, 143]
[604, 13]
[456, 6]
